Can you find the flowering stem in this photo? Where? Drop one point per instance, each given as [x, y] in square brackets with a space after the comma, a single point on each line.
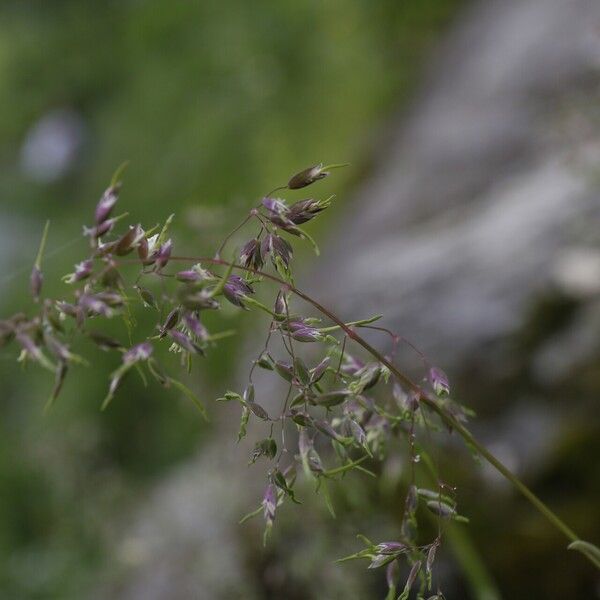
[424, 397]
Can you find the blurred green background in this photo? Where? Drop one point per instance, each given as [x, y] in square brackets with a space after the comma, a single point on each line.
[213, 103]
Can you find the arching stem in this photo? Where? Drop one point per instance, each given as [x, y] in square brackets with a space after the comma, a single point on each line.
[424, 397]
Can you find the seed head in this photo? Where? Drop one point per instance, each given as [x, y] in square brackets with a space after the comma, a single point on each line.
[236, 290]
[163, 254]
[82, 271]
[138, 353]
[439, 381]
[106, 204]
[188, 276]
[35, 281]
[269, 503]
[307, 177]
[251, 256]
[184, 342]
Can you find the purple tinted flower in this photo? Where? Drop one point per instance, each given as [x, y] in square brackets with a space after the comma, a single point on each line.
[431, 555]
[282, 221]
[29, 345]
[392, 574]
[412, 575]
[279, 213]
[352, 365]
[282, 249]
[251, 256]
[304, 210]
[379, 560]
[35, 281]
[188, 276]
[138, 353]
[285, 370]
[266, 245]
[390, 547]
[184, 342]
[307, 334]
[304, 442]
[281, 305]
[192, 322]
[412, 500]
[95, 306]
[130, 240]
[405, 400]
[307, 177]
[237, 282]
[67, 309]
[236, 290]
[99, 230]
[314, 461]
[143, 248]
[325, 428]
[368, 377]
[106, 204]
[148, 249]
[82, 271]
[295, 324]
[57, 348]
[163, 254]
[319, 370]
[111, 298]
[439, 381]
[269, 503]
[199, 300]
[275, 205]
[358, 433]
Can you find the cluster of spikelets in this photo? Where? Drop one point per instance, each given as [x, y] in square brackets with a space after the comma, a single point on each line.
[340, 408]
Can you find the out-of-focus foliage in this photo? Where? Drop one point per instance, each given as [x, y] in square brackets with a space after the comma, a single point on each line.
[211, 102]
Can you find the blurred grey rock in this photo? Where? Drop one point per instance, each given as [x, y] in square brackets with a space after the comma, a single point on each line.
[468, 214]
[52, 145]
[472, 204]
